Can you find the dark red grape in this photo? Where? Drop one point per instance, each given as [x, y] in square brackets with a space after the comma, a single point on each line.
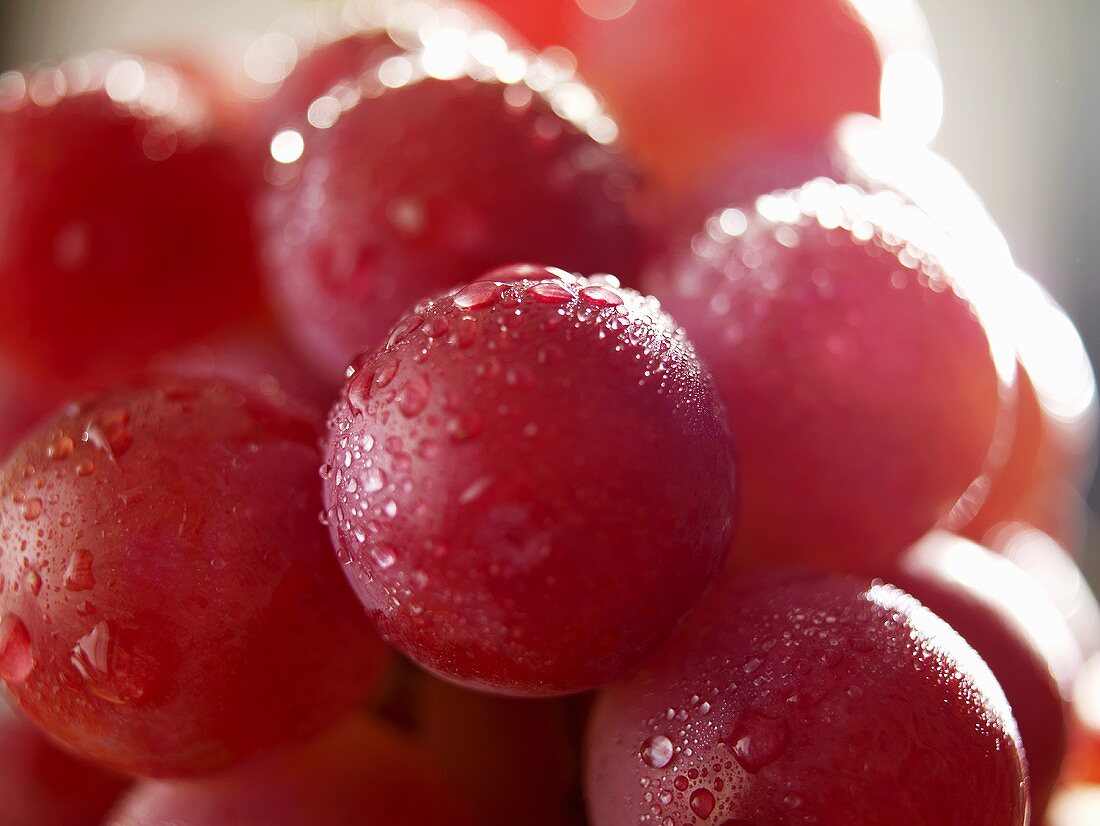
[845, 343]
[530, 482]
[170, 603]
[359, 773]
[125, 225]
[427, 171]
[796, 698]
[40, 785]
[1017, 630]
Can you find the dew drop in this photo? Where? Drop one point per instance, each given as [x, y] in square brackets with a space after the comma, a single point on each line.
[702, 803]
[437, 326]
[34, 582]
[373, 480]
[85, 468]
[16, 653]
[657, 751]
[413, 397]
[600, 297]
[384, 556]
[60, 448]
[758, 743]
[386, 372]
[549, 293]
[404, 329]
[32, 509]
[477, 295]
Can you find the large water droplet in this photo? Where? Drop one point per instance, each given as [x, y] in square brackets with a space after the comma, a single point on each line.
[702, 803]
[550, 293]
[383, 555]
[32, 509]
[600, 297]
[657, 751]
[758, 742]
[78, 574]
[16, 653]
[477, 295]
[111, 433]
[60, 448]
[404, 329]
[413, 397]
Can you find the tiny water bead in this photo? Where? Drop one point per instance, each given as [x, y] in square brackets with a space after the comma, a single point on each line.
[928, 730]
[170, 586]
[569, 457]
[415, 186]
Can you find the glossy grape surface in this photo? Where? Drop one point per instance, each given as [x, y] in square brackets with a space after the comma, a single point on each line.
[807, 698]
[429, 172]
[169, 601]
[530, 483]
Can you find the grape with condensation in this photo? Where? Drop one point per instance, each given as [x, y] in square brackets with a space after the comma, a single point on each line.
[807, 698]
[530, 481]
[125, 225]
[697, 86]
[359, 773]
[169, 601]
[841, 333]
[528, 766]
[429, 172]
[1016, 629]
[40, 785]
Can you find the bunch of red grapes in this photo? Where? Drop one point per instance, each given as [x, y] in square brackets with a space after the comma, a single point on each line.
[399, 430]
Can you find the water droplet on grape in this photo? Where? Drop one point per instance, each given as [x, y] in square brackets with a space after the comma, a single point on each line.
[549, 293]
[600, 297]
[16, 653]
[477, 295]
[759, 742]
[32, 509]
[78, 574]
[404, 329]
[414, 397]
[657, 751]
[384, 556]
[61, 448]
[702, 803]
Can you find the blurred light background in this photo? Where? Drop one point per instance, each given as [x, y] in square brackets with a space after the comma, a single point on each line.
[1021, 115]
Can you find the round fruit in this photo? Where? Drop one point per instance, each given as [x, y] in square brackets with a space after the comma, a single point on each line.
[530, 482]
[429, 170]
[40, 785]
[796, 697]
[125, 225]
[359, 773]
[841, 335]
[169, 601]
[1004, 614]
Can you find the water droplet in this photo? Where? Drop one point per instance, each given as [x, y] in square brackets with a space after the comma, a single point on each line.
[550, 293]
[386, 372]
[32, 509]
[600, 297]
[759, 742]
[111, 434]
[383, 555]
[657, 751]
[437, 326]
[465, 426]
[34, 582]
[85, 468]
[404, 329]
[477, 295]
[16, 653]
[78, 573]
[702, 803]
[373, 480]
[681, 783]
[60, 448]
[414, 396]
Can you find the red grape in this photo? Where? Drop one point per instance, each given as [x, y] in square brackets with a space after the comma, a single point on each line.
[125, 222]
[1008, 619]
[797, 698]
[427, 172]
[530, 483]
[698, 86]
[169, 600]
[845, 345]
[40, 785]
[360, 772]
